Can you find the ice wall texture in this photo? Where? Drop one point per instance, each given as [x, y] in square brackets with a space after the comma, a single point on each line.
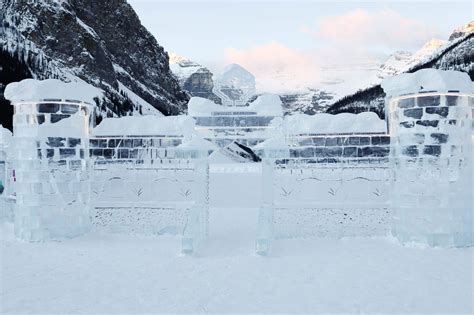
[50, 159]
[431, 157]
[5, 175]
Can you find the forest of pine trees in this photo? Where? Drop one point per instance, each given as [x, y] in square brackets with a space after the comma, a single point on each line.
[13, 68]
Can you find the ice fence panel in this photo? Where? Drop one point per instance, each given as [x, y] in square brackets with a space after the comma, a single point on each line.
[151, 179]
[319, 183]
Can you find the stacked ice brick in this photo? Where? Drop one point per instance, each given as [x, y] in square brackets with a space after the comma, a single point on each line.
[430, 115]
[50, 160]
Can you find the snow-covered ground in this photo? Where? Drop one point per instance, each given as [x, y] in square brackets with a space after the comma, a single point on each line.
[116, 273]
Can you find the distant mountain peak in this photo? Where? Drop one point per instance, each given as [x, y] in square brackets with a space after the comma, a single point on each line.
[462, 30]
[401, 61]
[193, 77]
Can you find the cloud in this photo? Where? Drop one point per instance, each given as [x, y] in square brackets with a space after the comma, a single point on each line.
[277, 67]
[385, 28]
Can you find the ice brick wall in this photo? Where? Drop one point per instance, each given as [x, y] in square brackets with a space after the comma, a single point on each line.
[50, 159]
[362, 148]
[432, 163]
[150, 184]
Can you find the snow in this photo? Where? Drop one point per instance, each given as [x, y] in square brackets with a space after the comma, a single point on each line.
[197, 143]
[183, 68]
[34, 90]
[88, 29]
[428, 80]
[468, 28]
[147, 108]
[145, 125]
[402, 61]
[264, 105]
[72, 126]
[113, 273]
[366, 122]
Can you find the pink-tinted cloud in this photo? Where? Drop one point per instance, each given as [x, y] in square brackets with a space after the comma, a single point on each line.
[382, 28]
[276, 66]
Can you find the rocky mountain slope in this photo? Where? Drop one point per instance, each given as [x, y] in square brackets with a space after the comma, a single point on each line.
[100, 42]
[456, 54]
[194, 78]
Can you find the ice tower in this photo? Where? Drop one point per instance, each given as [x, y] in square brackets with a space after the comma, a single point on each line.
[430, 121]
[50, 159]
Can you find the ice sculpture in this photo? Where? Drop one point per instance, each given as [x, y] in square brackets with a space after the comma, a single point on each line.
[430, 117]
[50, 160]
[234, 85]
[324, 175]
[248, 125]
[150, 175]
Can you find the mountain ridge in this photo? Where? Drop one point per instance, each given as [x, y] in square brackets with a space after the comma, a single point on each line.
[65, 40]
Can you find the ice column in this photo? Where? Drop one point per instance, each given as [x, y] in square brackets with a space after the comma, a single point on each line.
[50, 160]
[5, 201]
[431, 156]
[197, 225]
[272, 151]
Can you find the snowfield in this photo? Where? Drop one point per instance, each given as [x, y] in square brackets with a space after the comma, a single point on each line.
[116, 273]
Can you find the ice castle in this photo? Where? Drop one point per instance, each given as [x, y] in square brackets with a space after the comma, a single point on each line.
[409, 175]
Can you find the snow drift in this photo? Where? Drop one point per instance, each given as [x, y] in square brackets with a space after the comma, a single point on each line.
[35, 90]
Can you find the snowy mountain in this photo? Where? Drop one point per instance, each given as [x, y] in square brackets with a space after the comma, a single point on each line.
[462, 31]
[455, 54]
[310, 103]
[194, 78]
[90, 41]
[402, 61]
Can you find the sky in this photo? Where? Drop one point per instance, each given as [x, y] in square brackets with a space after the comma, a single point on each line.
[297, 39]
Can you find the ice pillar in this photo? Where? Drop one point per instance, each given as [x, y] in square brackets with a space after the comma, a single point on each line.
[431, 157]
[50, 160]
[197, 225]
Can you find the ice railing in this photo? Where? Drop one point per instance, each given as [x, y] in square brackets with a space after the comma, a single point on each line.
[324, 184]
[150, 182]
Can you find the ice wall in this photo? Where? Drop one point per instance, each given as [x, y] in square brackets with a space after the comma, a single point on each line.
[430, 118]
[6, 211]
[50, 159]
